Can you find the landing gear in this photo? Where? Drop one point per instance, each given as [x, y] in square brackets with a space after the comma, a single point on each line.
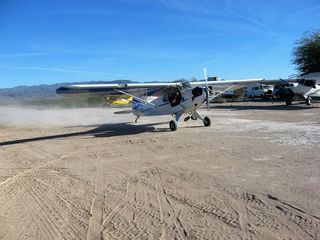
[186, 119]
[308, 100]
[207, 122]
[289, 101]
[173, 125]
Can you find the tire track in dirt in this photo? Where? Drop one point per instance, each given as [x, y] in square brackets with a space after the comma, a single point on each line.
[95, 222]
[242, 221]
[39, 220]
[35, 153]
[54, 209]
[277, 215]
[50, 213]
[211, 211]
[132, 215]
[128, 200]
[166, 208]
[38, 206]
[188, 207]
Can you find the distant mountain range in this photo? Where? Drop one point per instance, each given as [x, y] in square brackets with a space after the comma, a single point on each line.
[40, 92]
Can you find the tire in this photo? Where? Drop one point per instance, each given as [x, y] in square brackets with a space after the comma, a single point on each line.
[207, 122]
[173, 125]
[309, 101]
[186, 119]
[289, 102]
[194, 118]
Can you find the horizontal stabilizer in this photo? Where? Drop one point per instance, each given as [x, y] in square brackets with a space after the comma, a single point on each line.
[123, 112]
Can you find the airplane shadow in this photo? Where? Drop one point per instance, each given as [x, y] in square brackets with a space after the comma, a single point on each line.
[105, 130]
[235, 107]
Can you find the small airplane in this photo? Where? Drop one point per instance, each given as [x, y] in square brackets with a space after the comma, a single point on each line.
[306, 87]
[176, 98]
[118, 100]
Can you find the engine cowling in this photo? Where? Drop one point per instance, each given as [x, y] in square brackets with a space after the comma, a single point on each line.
[197, 91]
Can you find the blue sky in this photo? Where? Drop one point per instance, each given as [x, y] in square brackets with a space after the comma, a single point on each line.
[44, 42]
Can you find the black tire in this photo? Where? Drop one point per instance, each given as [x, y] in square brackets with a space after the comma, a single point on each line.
[207, 122]
[173, 125]
[309, 101]
[186, 119]
[288, 102]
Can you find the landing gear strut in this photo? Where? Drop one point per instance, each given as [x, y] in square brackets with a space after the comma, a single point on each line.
[206, 120]
[174, 124]
[288, 102]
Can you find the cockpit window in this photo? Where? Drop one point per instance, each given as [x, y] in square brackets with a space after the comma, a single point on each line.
[186, 85]
[173, 96]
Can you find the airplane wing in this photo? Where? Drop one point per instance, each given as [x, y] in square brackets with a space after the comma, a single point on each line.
[314, 76]
[140, 89]
[136, 89]
[243, 82]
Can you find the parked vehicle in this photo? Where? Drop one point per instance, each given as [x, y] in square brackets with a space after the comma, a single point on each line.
[259, 91]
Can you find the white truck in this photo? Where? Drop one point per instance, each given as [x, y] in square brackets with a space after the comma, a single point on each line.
[258, 91]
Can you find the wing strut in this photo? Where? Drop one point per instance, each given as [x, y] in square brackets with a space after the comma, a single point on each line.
[128, 94]
[220, 93]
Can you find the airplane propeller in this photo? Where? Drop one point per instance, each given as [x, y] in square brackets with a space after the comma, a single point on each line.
[207, 88]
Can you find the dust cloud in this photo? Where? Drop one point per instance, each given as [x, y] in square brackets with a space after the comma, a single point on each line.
[44, 118]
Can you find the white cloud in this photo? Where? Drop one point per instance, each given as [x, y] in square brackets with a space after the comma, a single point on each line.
[24, 54]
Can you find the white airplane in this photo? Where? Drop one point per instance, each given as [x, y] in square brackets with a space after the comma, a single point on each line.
[176, 99]
[306, 87]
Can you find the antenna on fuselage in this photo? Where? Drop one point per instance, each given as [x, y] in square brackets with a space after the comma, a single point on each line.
[207, 88]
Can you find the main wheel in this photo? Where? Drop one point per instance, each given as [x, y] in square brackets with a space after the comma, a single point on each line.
[289, 102]
[173, 125]
[309, 101]
[207, 121]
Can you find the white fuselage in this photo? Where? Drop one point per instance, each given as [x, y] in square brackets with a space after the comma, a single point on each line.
[161, 106]
[305, 91]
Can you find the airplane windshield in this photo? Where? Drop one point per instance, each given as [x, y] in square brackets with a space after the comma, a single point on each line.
[186, 85]
[173, 96]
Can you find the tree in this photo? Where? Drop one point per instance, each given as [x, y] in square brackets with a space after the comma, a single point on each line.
[306, 54]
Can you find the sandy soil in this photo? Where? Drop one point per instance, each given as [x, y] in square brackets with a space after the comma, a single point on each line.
[90, 174]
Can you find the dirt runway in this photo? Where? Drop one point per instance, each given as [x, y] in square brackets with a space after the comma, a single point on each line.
[90, 174]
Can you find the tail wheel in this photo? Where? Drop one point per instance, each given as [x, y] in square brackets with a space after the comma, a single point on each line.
[207, 122]
[173, 125]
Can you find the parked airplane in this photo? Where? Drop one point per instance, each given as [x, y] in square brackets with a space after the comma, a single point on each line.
[306, 87]
[118, 100]
[176, 99]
